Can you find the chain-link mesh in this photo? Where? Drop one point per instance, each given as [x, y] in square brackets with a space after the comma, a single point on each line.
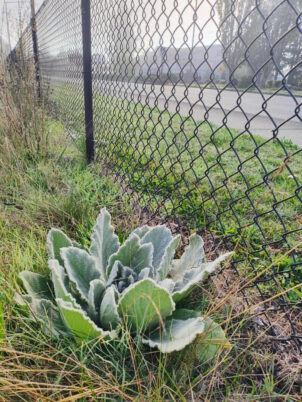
[191, 102]
[23, 53]
[197, 107]
[60, 59]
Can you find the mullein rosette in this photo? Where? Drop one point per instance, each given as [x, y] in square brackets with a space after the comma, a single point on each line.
[138, 284]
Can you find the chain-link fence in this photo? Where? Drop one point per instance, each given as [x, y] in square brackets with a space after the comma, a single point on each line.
[197, 108]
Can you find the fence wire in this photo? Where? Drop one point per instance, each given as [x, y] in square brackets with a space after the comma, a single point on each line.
[61, 59]
[197, 107]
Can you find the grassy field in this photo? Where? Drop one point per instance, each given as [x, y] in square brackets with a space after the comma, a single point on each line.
[230, 181]
[242, 188]
[44, 182]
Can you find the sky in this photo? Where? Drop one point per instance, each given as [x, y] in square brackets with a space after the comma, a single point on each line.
[15, 9]
[180, 19]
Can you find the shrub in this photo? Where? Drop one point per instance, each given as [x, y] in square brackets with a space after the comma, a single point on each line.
[273, 84]
[269, 84]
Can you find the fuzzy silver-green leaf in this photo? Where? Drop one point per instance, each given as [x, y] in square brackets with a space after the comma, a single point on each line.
[104, 242]
[79, 324]
[132, 254]
[60, 282]
[81, 269]
[212, 341]
[36, 285]
[160, 237]
[167, 258]
[95, 296]
[47, 314]
[192, 257]
[109, 316]
[56, 240]
[195, 276]
[145, 305]
[176, 334]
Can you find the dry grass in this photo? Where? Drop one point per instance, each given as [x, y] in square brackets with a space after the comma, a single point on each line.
[23, 115]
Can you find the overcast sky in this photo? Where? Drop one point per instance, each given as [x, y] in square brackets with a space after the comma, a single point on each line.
[180, 20]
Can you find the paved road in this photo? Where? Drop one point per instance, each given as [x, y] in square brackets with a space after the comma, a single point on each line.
[263, 113]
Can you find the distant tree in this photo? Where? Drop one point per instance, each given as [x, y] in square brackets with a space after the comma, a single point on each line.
[256, 40]
[291, 59]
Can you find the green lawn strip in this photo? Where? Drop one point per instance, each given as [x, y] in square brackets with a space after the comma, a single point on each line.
[241, 185]
[200, 171]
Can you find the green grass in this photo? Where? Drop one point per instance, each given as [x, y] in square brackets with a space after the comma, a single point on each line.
[197, 172]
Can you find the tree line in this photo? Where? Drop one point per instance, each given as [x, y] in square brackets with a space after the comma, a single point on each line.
[262, 41]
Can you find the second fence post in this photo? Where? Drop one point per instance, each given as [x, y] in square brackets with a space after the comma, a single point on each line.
[87, 76]
[35, 46]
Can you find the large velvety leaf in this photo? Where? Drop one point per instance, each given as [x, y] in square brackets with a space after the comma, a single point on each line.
[79, 324]
[115, 273]
[60, 282]
[192, 257]
[167, 284]
[36, 285]
[143, 258]
[104, 242]
[109, 317]
[167, 258]
[145, 273]
[47, 314]
[177, 333]
[95, 296]
[160, 237]
[145, 305]
[140, 232]
[195, 276]
[211, 342]
[185, 286]
[81, 269]
[56, 240]
[132, 254]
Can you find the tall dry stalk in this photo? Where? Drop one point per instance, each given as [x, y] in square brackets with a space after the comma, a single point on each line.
[22, 114]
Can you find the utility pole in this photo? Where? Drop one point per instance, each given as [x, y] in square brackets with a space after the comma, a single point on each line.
[35, 46]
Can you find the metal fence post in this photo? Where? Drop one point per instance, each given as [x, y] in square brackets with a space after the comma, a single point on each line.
[87, 75]
[35, 46]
